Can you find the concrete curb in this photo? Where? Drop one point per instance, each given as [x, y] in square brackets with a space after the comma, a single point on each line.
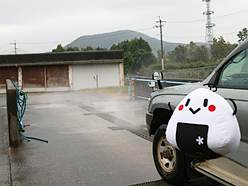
[5, 173]
[5, 151]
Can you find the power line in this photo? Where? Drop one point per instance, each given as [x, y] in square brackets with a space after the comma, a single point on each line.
[182, 11]
[231, 14]
[186, 37]
[185, 22]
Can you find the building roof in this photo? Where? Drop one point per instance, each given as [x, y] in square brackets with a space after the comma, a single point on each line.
[56, 58]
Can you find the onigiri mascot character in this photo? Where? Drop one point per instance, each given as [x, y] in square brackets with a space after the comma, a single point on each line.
[204, 124]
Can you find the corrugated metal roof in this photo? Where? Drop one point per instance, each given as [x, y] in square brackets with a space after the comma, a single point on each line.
[62, 58]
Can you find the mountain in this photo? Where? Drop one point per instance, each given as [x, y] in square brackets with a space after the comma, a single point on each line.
[106, 40]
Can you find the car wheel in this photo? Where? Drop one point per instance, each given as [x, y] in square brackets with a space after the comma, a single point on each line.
[169, 161]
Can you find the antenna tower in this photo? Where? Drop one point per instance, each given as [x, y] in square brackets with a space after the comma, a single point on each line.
[209, 25]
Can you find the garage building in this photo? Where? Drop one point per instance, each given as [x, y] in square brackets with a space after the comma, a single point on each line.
[63, 71]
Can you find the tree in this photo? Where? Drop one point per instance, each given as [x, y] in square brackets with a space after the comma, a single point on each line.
[128, 62]
[191, 54]
[59, 48]
[137, 53]
[242, 35]
[202, 54]
[160, 55]
[72, 49]
[124, 45]
[197, 53]
[142, 53]
[136, 44]
[142, 58]
[179, 54]
[100, 48]
[220, 49]
[87, 48]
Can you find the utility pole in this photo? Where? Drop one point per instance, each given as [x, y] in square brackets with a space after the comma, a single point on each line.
[14, 47]
[161, 38]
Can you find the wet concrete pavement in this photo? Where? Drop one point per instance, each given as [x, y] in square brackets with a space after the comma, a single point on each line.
[94, 139]
[5, 179]
[91, 138]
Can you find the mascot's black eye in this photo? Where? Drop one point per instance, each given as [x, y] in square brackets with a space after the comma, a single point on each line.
[187, 102]
[205, 102]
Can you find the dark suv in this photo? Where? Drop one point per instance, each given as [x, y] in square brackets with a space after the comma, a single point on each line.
[229, 80]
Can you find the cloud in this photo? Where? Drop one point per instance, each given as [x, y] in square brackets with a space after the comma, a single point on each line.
[49, 21]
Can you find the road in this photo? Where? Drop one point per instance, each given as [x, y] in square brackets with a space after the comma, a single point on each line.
[94, 139]
[88, 142]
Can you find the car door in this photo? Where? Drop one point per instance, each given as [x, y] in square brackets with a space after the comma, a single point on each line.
[232, 82]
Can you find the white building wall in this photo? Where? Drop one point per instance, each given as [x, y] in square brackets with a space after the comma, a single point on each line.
[83, 75]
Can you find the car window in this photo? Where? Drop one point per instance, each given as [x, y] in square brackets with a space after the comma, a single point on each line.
[235, 73]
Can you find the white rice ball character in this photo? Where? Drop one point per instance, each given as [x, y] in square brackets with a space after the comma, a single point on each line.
[204, 124]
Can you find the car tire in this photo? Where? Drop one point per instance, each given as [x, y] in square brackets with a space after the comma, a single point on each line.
[169, 161]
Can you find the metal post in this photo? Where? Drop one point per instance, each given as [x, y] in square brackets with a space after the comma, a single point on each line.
[96, 78]
[96, 81]
[129, 88]
[20, 77]
[45, 78]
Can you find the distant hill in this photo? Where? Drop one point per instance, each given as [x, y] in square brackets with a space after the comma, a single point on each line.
[106, 40]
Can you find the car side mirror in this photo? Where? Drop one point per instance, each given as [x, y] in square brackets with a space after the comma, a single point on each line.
[151, 84]
[158, 76]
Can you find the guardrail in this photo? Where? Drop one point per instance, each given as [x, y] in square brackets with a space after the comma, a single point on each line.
[141, 89]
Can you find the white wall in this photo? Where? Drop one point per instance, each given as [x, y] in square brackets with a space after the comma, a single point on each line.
[83, 75]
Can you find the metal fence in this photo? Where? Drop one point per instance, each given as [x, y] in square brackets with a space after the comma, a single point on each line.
[141, 89]
[173, 77]
[193, 73]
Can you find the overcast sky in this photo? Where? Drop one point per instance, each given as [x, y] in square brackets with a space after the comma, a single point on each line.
[39, 26]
